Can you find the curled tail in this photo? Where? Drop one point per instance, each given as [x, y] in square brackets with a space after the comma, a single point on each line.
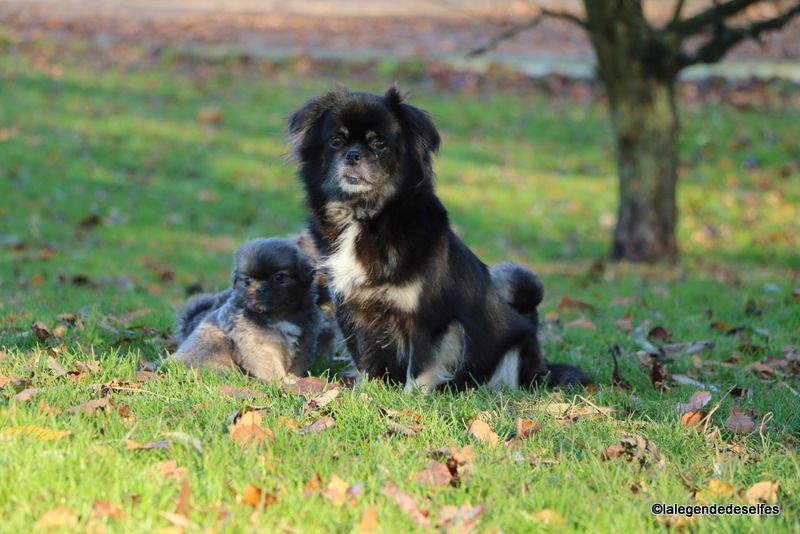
[519, 286]
[195, 310]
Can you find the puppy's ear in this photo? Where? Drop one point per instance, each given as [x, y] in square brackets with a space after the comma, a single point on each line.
[305, 269]
[302, 121]
[414, 120]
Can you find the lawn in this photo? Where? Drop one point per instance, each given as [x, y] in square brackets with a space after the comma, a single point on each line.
[123, 188]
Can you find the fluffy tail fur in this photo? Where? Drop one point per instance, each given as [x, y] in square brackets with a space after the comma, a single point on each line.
[195, 310]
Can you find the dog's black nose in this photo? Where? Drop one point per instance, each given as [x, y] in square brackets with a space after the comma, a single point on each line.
[261, 291]
[353, 156]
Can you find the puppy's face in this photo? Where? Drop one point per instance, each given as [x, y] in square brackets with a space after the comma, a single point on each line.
[272, 276]
[363, 148]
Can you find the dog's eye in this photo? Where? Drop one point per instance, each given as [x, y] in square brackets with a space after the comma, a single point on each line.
[379, 145]
[279, 277]
[244, 280]
[336, 141]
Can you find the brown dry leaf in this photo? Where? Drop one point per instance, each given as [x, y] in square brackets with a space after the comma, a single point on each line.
[254, 496]
[247, 430]
[715, 491]
[146, 376]
[398, 414]
[33, 431]
[320, 401]
[101, 508]
[369, 520]
[307, 386]
[41, 331]
[393, 427]
[462, 519]
[58, 517]
[566, 409]
[659, 333]
[739, 422]
[92, 406]
[626, 323]
[761, 370]
[406, 503]
[179, 522]
[764, 491]
[697, 402]
[481, 431]
[183, 505]
[210, 115]
[59, 330]
[56, 368]
[694, 418]
[4, 380]
[336, 490]
[238, 393]
[170, 469]
[312, 485]
[26, 394]
[634, 447]
[526, 428]
[548, 517]
[287, 422]
[582, 323]
[436, 474]
[569, 303]
[323, 423]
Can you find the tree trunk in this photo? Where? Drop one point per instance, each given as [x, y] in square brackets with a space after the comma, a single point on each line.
[639, 73]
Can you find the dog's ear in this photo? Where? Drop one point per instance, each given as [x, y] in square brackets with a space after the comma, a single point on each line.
[417, 122]
[305, 269]
[303, 120]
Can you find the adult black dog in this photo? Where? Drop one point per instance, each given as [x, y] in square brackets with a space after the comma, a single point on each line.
[413, 302]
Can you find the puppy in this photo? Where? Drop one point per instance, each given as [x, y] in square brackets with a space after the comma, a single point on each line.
[267, 324]
[415, 305]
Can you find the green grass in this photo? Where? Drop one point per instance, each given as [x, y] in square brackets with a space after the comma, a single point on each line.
[525, 179]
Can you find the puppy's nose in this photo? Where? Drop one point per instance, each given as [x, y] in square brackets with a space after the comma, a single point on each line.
[261, 291]
[353, 156]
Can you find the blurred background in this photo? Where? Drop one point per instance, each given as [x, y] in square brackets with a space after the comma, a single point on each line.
[141, 141]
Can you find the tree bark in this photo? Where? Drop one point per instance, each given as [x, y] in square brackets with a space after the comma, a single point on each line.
[639, 71]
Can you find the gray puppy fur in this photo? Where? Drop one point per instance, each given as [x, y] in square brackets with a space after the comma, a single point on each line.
[266, 325]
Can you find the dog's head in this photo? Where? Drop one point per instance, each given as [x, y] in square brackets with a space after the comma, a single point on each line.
[272, 275]
[363, 148]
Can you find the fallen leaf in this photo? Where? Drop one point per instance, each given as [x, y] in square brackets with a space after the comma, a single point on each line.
[170, 469]
[319, 425]
[26, 394]
[210, 115]
[336, 490]
[569, 303]
[659, 333]
[183, 505]
[740, 423]
[764, 491]
[320, 401]
[697, 401]
[763, 371]
[92, 406]
[254, 496]
[692, 347]
[247, 430]
[582, 323]
[526, 428]
[548, 517]
[312, 485]
[238, 393]
[693, 418]
[406, 503]
[58, 517]
[459, 519]
[626, 323]
[634, 447]
[401, 414]
[567, 409]
[178, 520]
[101, 508]
[369, 520]
[56, 368]
[146, 376]
[481, 431]
[436, 474]
[676, 522]
[4, 380]
[33, 431]
[715, 491]
[307, 386]
[41, 331]
[393, 427]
